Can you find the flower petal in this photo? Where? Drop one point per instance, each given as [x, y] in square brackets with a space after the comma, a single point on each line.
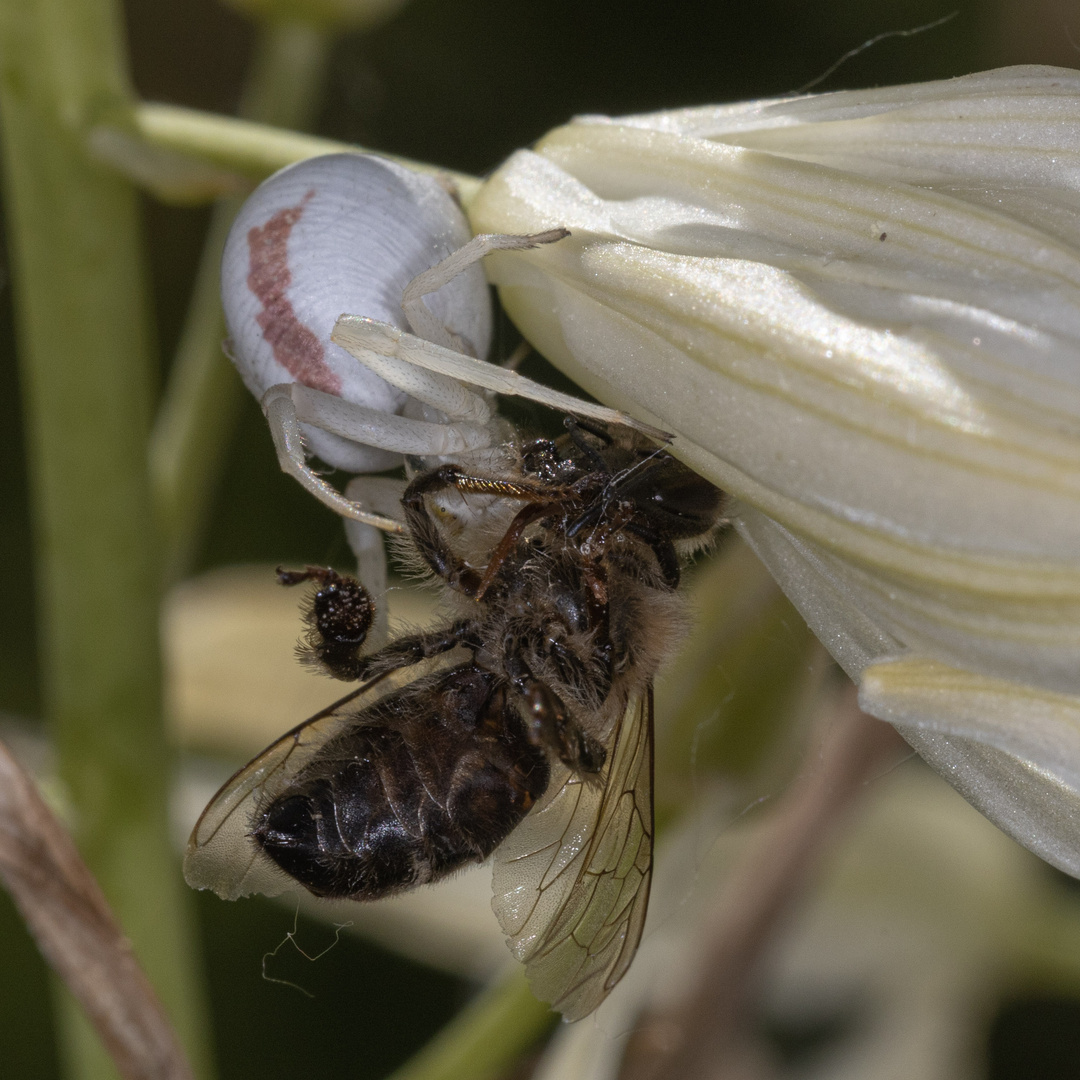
[1024, 776]
[860, 312]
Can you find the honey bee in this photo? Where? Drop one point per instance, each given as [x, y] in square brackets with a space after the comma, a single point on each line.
[520, 727]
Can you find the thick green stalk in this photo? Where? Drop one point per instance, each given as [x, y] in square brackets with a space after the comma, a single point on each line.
[256, 150]
[86, 363]
[192, 429]
[486, 1038]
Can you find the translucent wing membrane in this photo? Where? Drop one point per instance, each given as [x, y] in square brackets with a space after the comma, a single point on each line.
[221, 854]
[572, 881]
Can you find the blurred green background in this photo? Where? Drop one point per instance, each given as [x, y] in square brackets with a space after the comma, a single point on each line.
[459, 83]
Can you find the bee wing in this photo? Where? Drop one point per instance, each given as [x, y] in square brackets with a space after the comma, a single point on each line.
[572, 880]
[221, 854]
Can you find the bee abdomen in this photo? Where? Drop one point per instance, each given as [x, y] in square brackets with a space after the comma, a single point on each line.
[435, 777]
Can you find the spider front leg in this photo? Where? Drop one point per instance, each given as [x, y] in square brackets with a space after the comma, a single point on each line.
[458, 419]
[289, 404]
[419, 317]
[361, 336]
[432, 363]
[281, 415]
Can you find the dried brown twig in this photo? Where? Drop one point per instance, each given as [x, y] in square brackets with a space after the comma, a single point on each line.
[702, 1038]
[77, 934]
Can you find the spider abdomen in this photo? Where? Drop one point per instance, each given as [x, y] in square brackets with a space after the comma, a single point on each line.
[344, 232]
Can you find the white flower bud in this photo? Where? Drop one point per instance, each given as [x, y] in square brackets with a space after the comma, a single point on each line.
[860, 313]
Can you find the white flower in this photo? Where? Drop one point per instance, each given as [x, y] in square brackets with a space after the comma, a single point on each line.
[860, 313]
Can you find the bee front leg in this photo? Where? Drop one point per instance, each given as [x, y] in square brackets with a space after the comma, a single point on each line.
[428, 537]
[667, 559]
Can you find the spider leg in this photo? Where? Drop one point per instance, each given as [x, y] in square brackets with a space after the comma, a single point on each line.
[422, 323]
[380, 495]
[387, 340]
[281, 414]
[387, 431]
[446, 394]
[601, 432]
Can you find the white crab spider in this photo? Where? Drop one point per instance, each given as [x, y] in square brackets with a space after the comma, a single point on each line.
[354, 232]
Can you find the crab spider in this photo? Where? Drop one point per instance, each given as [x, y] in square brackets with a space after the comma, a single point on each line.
[353, 232]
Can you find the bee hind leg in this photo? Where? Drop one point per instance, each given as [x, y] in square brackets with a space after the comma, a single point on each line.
[549, 723]
[338, 617]
[409, 650]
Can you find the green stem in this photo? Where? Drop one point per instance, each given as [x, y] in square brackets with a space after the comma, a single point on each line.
[86, 365]
[256, 149]
[485, 1038]
[203, 394]
[287, 76]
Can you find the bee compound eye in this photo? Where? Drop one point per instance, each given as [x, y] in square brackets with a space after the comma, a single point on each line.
[342, 233]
